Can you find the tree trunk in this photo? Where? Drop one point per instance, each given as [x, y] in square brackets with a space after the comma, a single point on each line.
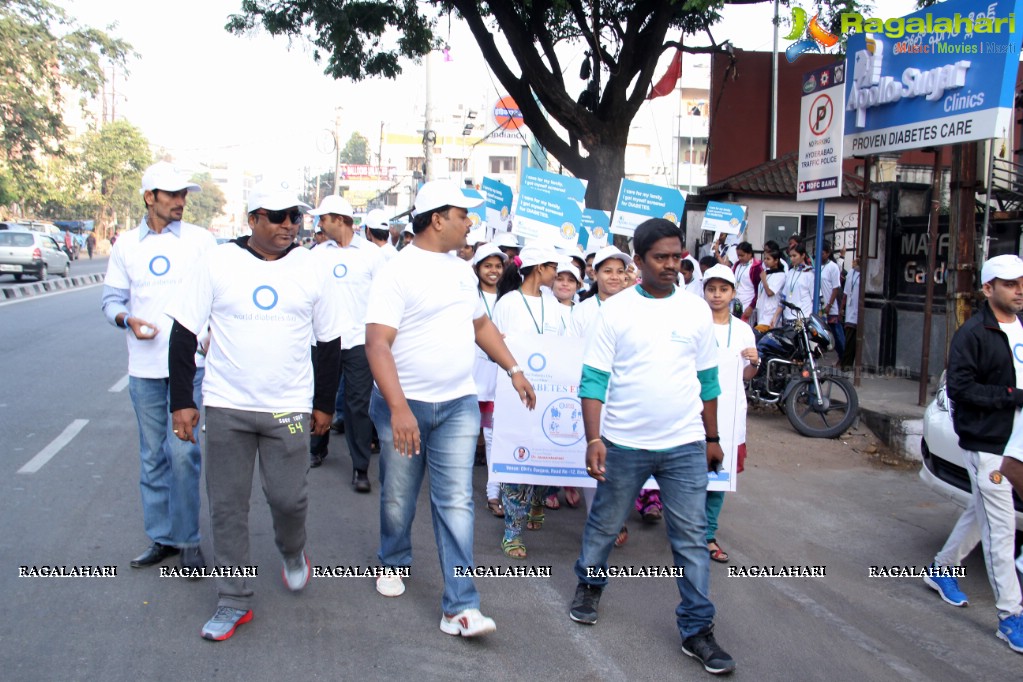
[604, 169]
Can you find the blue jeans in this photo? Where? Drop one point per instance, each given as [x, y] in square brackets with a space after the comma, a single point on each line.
[682, 474]
[447, 433]
[170, 466]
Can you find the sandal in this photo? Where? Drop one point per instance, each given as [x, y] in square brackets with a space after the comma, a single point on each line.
[572, 497]
[535, 521]
[496, 508]
[514, 548]
[717, 554]
[551, 501]
[623, 537]
[651, 513]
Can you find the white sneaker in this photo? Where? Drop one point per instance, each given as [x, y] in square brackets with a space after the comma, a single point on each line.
[468, 623]
[296, 572]
[390, 585]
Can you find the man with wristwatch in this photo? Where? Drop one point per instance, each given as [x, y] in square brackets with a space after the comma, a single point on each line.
[651, 368]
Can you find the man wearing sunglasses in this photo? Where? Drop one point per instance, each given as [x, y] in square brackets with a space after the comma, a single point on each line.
[264, 298]
[147, 269]
[349, 262]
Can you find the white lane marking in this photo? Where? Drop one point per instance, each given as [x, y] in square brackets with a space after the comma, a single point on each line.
[121, 384]
[46, 454]
[51, 293]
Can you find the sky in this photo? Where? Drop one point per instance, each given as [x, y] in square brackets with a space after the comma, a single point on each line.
[206, 94]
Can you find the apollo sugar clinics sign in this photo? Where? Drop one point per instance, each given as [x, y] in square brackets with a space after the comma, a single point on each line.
[549, 207]
[942, 75]
[545, 446]
[640, 201]
[821, 124]
[498, 204]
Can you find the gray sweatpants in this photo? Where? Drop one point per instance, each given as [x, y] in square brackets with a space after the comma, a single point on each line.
[233, 439]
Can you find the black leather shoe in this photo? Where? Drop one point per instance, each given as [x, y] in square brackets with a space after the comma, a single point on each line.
[154, 555]
[338, 426]
[315, 460]
[360, 481]
[192, 558]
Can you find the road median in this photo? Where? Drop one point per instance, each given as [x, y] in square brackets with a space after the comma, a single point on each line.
[50, 285]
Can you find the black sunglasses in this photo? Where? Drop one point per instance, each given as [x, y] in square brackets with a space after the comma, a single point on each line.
[278, 217]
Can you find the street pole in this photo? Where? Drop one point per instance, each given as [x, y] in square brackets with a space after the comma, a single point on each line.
[818, 255]
[861, 254]
[932, 264]
[337, 150]
[774, 88]
[429, 137]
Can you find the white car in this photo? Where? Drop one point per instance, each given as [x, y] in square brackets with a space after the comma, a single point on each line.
[943, 470]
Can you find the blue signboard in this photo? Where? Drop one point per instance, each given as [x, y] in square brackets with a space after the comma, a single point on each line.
[594, 229]
[499, 204]
[943, 75]
[476, 213]
[724, 218]
[548, 209]
[638, 201]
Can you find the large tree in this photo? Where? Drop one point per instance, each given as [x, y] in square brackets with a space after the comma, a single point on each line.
[114, 158]
[44, 56]
[206, 206]
[356, 150]
[624, 38]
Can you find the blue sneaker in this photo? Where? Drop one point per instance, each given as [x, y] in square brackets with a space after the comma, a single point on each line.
[946, 586]
[1011, 630]
[224, 622]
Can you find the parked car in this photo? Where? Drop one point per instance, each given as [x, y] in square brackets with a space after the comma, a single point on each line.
[31, 253]
[943, 470]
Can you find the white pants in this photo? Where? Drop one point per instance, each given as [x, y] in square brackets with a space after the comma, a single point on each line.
[990, 519]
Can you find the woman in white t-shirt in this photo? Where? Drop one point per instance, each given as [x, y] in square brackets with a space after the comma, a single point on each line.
[772, 280]
[523, 308]
[488, 262]
[798, 287]
[566, 288]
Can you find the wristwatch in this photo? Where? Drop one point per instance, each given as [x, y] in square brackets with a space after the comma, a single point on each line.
[513, 369]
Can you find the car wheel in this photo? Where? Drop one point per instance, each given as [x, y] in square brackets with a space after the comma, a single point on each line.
[42, 273]
[67, 271]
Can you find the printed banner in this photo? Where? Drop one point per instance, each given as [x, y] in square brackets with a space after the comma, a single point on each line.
[476, 213]
[499, 204]
[595, 230]
[724, 218]
[549, 208]
[639, 201]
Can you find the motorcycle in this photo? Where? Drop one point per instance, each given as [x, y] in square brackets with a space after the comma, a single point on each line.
[818, 404]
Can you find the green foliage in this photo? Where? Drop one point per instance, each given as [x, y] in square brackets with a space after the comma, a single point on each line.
[43, 51]
[113, 159]
[356, 150]
[205, 206]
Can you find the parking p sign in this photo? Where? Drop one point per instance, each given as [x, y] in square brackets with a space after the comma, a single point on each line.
[822, 116]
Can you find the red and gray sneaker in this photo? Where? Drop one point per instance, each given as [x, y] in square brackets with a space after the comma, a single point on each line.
[224, 622]
[468, 623]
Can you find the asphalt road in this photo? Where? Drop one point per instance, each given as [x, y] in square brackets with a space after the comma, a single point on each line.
[82, 266]
[800, 502]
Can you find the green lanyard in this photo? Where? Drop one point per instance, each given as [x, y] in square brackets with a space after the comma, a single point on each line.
[795, 280]
[539, 327]
[487, 305]
[728, 344]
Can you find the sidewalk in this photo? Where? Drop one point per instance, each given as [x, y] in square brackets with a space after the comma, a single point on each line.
[888, 407]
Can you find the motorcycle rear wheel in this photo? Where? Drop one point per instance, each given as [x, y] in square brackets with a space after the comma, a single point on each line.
[828, 418]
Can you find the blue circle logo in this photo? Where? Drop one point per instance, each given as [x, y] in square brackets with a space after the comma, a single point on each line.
[562, 422]
[1017, 351]
[521, 454]
[159, 266]
[265, 297]
[536, 362]
[340, 270]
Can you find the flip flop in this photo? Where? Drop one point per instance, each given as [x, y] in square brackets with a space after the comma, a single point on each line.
[496, 508]
[572, 497]
[513, 545]
[551, 501]
[717, 554]
[623, 537]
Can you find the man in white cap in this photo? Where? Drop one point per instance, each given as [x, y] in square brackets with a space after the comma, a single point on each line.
[146, 270]
[350, 263]
[424, 316]
[985, 385]
[378, 232]
[508, 243]
[265, 299]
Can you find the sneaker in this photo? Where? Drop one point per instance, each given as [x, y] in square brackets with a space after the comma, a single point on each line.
[584, 606]
[296, 572]
[224, 622]
[390, 585]
[947, 587]
[705, 649]
[1011, 630]
[468, 623]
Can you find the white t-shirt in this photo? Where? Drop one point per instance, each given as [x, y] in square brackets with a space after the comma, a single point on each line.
[695, 287]
[153, 269]
[852, 297]
[431, 299]
[387, 251]
[831, 279]
[484, 370]
[264, 316]
[351, 270]
[732, 339]
[1014, 330]
[584, 316]
[798, 290]
[517, 313]
[744, 288]
[653, 348]
[767, 306]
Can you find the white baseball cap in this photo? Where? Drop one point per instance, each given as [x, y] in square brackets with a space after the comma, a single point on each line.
[377, 220]
[438, 193]
[609, 252]
[485, 252]
[1001, 267]
[507, 240]
[162, 175]
[719, 271]
[537, 254]
[333, 203]
[477, 236]
[408, 229]
[566, 265]
[274, 196]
